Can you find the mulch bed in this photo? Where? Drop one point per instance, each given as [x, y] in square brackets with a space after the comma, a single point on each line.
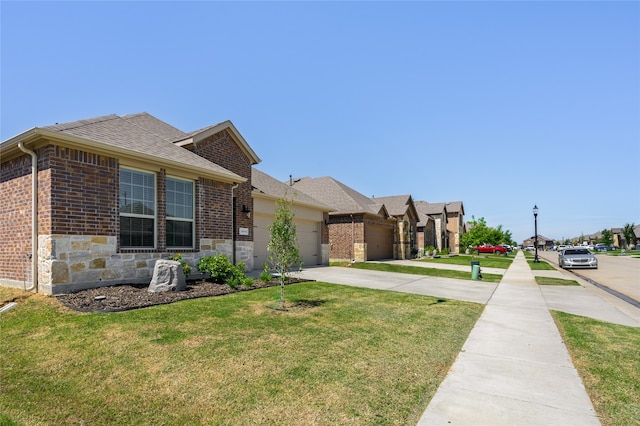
[133, 296]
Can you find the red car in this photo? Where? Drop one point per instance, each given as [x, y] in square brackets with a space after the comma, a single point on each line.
[488, 248]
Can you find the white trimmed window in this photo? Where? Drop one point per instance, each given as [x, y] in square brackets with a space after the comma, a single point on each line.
[137, 209]
[180, 217]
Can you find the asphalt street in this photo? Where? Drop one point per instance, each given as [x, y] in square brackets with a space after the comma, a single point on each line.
[618, 273]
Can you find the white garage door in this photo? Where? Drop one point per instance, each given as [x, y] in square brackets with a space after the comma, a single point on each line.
[308, 240]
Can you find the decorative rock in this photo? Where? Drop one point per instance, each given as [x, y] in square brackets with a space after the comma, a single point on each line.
[167, 276]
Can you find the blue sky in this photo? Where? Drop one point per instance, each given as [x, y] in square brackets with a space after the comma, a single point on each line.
[501, 105]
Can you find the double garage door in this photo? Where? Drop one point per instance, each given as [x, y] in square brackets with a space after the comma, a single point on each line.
[308, 234]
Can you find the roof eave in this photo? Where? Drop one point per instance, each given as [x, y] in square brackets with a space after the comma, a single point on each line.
[256, 193]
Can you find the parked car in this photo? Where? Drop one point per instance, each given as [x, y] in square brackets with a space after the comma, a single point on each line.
[604, 247]
[577, 258]
[561, 247]
[530, 248]
[507, 247]
[488, 248]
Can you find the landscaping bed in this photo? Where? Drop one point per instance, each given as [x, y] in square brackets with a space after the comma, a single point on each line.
[133, 296]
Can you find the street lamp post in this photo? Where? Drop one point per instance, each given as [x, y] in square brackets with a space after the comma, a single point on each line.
[535, 221]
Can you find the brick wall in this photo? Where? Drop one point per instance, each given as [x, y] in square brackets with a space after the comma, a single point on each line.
[213, 201]
[81, 194]
[15, 219]
[344, 233]
[222, 149]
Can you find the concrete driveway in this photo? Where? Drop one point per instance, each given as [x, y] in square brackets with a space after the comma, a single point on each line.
[465, 290]
[585, 300]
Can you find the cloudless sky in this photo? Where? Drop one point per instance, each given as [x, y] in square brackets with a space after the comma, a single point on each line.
[498, 104]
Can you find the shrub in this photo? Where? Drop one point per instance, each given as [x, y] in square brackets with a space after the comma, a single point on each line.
[186, 268]
[219, 268]
[444, 252]
[265, 276]
[221, 271]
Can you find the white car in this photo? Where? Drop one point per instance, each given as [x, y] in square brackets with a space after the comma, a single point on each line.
[577, 258]
[530, 248]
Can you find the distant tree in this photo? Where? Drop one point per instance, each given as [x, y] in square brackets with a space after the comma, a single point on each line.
[630, 234]
[283, 252]
[607, 237]
[480, 233]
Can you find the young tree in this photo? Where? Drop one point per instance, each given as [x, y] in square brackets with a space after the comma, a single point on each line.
[607, 237]
[630, 235]
[283, 252]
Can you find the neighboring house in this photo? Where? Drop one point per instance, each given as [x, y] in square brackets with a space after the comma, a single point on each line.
[310, 216]
[544, 243]
[113, 194]
[359, 228]
[438, 212]
[425, 231]
[402, 208]
[455, 224]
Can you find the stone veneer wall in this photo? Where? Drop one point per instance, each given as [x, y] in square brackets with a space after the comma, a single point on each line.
[74, 262]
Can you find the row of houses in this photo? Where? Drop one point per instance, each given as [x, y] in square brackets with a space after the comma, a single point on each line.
[617, 235]
[96, 202]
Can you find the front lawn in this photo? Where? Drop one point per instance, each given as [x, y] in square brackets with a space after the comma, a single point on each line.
[340, 355]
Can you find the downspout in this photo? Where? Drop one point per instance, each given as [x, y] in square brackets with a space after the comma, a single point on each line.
[353, 239]
[34, 216]
[233, 224]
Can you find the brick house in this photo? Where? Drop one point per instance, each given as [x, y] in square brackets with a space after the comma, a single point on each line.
[438, 212]
[544, 243]
[310, 218]
[115, 193]
[359, 228]
[402, 208]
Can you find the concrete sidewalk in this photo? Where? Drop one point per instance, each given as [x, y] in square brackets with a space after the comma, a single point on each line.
[514, 368]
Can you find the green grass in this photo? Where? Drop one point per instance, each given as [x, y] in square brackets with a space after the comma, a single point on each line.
[419, 270]
[339, 355]
[486, 260]
[607, 357]
[542, 265]
[555, 281]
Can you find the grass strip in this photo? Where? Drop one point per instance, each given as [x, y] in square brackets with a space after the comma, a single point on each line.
[339, 355]
[555, 281]
[419, 270]
[607, 357]
[541, 265]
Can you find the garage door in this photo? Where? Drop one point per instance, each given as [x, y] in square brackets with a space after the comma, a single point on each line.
[379, 243]
[308, 240]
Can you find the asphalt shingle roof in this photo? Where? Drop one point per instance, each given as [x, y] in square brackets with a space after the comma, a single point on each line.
[141, 133]
[338, 196]
[430, 208]
[396, 205]
[268, 185]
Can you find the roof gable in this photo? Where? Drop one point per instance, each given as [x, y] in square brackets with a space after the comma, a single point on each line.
[198, 135]
[431, 208]
[398, 205]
